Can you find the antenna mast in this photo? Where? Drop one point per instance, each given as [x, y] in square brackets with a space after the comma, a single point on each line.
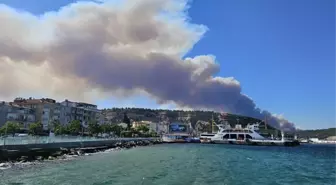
[212, 124]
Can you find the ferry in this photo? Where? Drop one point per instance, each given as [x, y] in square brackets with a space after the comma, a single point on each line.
[247, 136]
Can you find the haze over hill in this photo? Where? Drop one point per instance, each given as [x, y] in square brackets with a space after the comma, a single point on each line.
[103, 49]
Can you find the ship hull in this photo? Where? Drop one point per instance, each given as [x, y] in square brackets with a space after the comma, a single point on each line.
[258, 142]
[205, 140]
[175, 139]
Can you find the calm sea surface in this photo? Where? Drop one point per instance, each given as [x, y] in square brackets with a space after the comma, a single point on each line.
[187, 164]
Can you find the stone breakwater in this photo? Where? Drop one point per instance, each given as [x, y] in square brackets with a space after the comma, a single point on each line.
[50, 151]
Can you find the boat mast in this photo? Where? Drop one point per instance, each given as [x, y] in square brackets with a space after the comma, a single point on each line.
[212, 123]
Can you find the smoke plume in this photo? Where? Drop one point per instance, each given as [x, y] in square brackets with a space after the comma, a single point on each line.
[92, 49]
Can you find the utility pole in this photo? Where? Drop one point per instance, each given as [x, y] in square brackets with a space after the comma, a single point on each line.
[6, 134]
[212, 124]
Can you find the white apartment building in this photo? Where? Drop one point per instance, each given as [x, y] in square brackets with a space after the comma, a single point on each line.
[153, 126]
[43, 109]
[83, 112]
[47, 110]
[16, 113]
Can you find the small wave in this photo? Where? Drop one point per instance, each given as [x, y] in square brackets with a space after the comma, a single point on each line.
[20, 164]
[110, 150]
[4, 166]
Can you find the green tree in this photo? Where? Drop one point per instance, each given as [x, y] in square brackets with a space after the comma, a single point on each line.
[142, 128]
[35, 128]
[74, 127]
[58, 128]
[127, 121]
[106, 128]
[116, 129]
[53, 125]
[2, 130]
[153, 134]
[94, 128]
[61, 130]
[10, 128]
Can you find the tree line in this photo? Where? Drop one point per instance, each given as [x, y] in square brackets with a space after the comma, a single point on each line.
[75, 128]
[318, 133]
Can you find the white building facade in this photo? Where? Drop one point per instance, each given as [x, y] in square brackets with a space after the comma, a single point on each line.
[84, 112]
[15, 113]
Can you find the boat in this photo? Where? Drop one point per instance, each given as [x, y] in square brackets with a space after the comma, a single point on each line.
[194, 140]
[176, 138]
[304, 141]
[22, 135]
[178, 133]
[318, 141]
[206, 137]
[247, 136]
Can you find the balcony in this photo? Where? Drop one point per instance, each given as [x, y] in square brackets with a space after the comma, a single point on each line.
[21, 119]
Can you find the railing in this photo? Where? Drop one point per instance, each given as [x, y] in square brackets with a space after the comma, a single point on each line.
[56, 139]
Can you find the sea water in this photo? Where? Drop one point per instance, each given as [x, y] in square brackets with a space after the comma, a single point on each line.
[186, 164]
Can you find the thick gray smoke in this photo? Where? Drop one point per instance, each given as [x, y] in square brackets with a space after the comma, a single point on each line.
[137, 46]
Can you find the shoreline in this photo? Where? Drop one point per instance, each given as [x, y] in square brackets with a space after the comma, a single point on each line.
[48, 152]
[19, 165]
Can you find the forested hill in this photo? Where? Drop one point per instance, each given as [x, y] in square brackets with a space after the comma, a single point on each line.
[318, 133]
[116, 115]
[138, 114]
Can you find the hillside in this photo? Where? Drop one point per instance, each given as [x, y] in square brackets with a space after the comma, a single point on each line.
[318, 133]
[115, 115]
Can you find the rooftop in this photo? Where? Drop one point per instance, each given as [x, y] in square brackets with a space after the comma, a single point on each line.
[33, 100]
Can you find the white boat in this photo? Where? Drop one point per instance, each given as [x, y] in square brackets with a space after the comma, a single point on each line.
[304, 141]
[318, 141]
[206, 137]
[247, 136]
[176, 138]
[22, 135]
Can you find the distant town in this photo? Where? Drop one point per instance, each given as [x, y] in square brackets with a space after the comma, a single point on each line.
[56, 116]
[46, 111]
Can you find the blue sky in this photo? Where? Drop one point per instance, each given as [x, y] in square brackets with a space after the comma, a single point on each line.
[282, 52]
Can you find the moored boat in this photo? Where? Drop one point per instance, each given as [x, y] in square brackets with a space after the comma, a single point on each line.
[248, 136]
[176, 138]
[318, 141]
[206, 137]
[179, 133]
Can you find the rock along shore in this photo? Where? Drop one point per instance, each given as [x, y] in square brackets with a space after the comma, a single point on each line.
[50, 151]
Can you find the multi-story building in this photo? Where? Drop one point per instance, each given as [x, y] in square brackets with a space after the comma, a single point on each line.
[16, 113]
[84, 112]
[46, 109]
[100, 118]
[3, 112]
[152, 126]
